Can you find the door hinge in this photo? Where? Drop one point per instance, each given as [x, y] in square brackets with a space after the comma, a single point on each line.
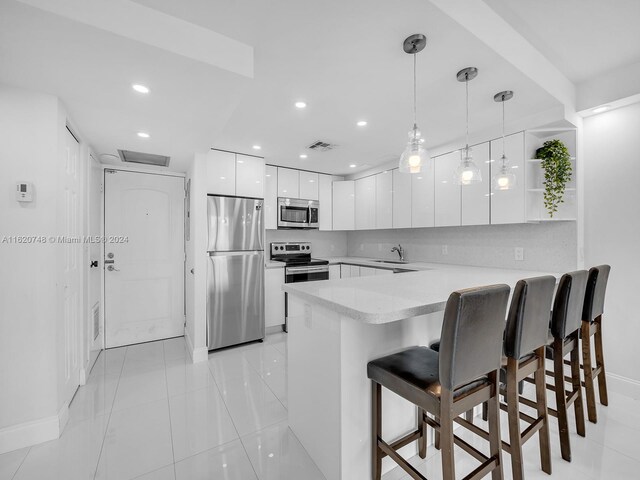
[101, 188]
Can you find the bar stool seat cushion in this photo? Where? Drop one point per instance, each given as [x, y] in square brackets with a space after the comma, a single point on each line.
[414, 375]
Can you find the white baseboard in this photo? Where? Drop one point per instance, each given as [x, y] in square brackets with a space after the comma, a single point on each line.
[29, 433]
[199, 354]
[623, 385]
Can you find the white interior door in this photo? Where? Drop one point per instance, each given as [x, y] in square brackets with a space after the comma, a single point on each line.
[71, 270]
[144, 257]
[95, 337]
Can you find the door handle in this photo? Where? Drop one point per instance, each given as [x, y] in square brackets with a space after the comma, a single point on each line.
[111, 268]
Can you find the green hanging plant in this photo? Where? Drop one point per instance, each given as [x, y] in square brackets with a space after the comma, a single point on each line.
[556, 163]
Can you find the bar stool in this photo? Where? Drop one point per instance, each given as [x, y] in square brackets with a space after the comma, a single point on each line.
[566, 320]
[592, 327]
[462, 375]
[525, 339]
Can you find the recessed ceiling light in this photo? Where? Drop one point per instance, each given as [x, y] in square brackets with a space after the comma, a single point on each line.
[140, 88]
[300, 104]
[257, 147]
[353, 165]
[303, 156]
[143, 135]
[601, 109]
[361, 123]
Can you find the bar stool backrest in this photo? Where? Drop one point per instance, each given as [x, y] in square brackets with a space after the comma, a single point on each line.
[567, 306]
[471, 339]
[594, 296]
[528, 320]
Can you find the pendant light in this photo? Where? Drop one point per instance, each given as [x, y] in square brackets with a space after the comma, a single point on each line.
[504, 179]
[415, 155]
[467, 172]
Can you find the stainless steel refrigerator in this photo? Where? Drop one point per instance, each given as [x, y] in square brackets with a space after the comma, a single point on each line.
[235, 275]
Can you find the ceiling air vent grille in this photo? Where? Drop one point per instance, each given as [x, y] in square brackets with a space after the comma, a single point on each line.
[321, 146]
[144, 158]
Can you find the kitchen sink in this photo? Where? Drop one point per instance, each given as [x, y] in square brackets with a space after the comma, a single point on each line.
[397, 262]
[402, 270]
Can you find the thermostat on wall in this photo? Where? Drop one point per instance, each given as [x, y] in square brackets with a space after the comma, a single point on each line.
[24, 192]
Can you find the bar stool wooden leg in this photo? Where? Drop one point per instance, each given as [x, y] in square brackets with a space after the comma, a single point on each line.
[589, 387]
[561, 399]
[422, 441]
[513, 410]
[436, 437]
[602, 378]
[577, 388]
[446, 435]
[495, 444]
[376, 425]
[541, 407]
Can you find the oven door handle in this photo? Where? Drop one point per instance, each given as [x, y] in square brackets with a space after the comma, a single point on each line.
[307, 269]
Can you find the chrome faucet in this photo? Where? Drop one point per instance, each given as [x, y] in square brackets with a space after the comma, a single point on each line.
[400, 251]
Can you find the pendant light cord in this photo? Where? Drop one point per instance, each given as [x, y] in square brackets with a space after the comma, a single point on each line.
[466, 84]
[415, 108]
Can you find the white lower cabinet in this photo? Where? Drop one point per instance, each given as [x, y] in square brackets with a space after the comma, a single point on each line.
[368, 271]
[355, 270]
[334, 272]
[383, 271]
[273, 297]
[448, 196]
[345, 271]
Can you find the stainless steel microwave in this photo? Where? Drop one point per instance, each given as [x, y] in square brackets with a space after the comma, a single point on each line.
[297, 213]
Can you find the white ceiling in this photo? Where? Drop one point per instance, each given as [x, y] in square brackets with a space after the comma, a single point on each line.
[344, 58]
[582, 38]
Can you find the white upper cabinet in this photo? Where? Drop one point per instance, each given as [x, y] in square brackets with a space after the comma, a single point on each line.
[325, 197]
[271, 197]
[344, 205]
[384, 199]
[423, 196]
[401, 199]
[221, 172]
[249, 176]
[365, 203]
[308, 185]
[475, 197]
[447, 192]
[288, 183]
[507, 206]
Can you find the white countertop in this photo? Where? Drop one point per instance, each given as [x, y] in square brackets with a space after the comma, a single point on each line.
[388, 298]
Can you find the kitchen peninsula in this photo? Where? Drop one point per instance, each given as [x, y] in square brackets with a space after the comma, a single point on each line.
[336, 327]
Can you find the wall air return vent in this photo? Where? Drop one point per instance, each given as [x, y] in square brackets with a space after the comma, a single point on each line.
[144, 158]
[321, 146]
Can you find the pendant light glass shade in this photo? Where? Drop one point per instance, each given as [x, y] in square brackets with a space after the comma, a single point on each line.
[467, 172]
[504, 178]
[415, 156]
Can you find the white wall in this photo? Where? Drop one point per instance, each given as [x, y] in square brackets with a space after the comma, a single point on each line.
[612, 228]
[29, 132]
[547, 246]
[324, 244]
[196, 249]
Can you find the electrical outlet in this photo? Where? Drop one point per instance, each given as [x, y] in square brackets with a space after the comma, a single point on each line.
[519, 253]
[445, 249]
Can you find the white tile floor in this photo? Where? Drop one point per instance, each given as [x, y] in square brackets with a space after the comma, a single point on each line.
[148, 413]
